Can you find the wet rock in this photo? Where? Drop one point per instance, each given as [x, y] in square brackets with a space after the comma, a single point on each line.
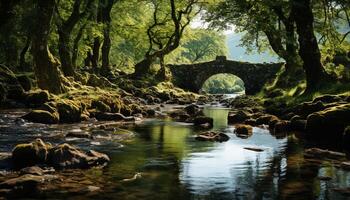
[254, 149]
[27, 181]
[238, 117]
[42, 116]
[243, 130]
[212, 136]
[36, 152]
[37, 98]
[329, 123]
[281, 127]
[192, 109]
[134, 178]
[109, 116]
[34, 170]
[66, 156]
[251, 122]
[324, 154]
[200, 120]
[78, 134]
[297, 123]
[266, 119]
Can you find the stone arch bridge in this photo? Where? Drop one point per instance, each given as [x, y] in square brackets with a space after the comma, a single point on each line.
[191, 77]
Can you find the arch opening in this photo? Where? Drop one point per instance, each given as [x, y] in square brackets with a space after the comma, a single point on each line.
[223, 83]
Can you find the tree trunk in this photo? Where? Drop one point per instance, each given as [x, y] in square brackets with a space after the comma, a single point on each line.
[309, 50]
[76, 45]
[95, 54]
[65, 50]
[45, 67]
[144, 67]
[106, 46]
[22, 58]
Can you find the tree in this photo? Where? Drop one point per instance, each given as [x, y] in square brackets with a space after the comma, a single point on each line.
[45, 64]
[65, 28]
[203, 45]
[309, 50]
[165, 31]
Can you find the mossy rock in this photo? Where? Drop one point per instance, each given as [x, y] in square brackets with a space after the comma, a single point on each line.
[69, 111]
[38, 97]
[100, 106]
[329, 123]
[24, 155]
[42, 116]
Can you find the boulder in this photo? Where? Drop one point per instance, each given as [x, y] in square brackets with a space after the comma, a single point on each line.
[27, 182]
[192, 109]
[329, 123]
[38, 98]
[212, 136]
[297, 123]
[238, 117]
[109, 116]
[281, 126]
[307, 108]
[243, 130]
[200, 120]
[100, 106]
[66, 156]
[265, 119]
[24, 155]
[69, 111]
[42, 116]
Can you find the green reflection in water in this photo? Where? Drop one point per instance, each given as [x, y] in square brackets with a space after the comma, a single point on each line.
[219, 115]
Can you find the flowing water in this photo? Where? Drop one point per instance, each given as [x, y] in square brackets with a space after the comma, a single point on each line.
[162, 160]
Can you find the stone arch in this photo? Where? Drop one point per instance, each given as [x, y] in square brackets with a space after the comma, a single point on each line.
[214, 75]
[255, 76]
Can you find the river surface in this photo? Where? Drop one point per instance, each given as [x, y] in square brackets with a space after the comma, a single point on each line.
[160, 159]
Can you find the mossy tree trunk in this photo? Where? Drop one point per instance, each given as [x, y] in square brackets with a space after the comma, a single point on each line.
[106, 46]
[309, 50]
[45, 65]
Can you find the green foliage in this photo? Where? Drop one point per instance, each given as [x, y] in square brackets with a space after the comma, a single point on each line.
[223, 84]
[200, 45]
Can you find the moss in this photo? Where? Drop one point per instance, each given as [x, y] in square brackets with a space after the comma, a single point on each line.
[42, 116]
[69, 111]
[100, 106]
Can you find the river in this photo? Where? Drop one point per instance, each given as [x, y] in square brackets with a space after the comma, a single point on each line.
[160, 159]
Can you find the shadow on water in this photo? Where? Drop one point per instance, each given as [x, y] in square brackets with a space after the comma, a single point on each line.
[172, 165]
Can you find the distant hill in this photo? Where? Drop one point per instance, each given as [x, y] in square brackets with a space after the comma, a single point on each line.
[239, 53]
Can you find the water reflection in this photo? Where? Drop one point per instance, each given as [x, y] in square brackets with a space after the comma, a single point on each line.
[175, 166]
